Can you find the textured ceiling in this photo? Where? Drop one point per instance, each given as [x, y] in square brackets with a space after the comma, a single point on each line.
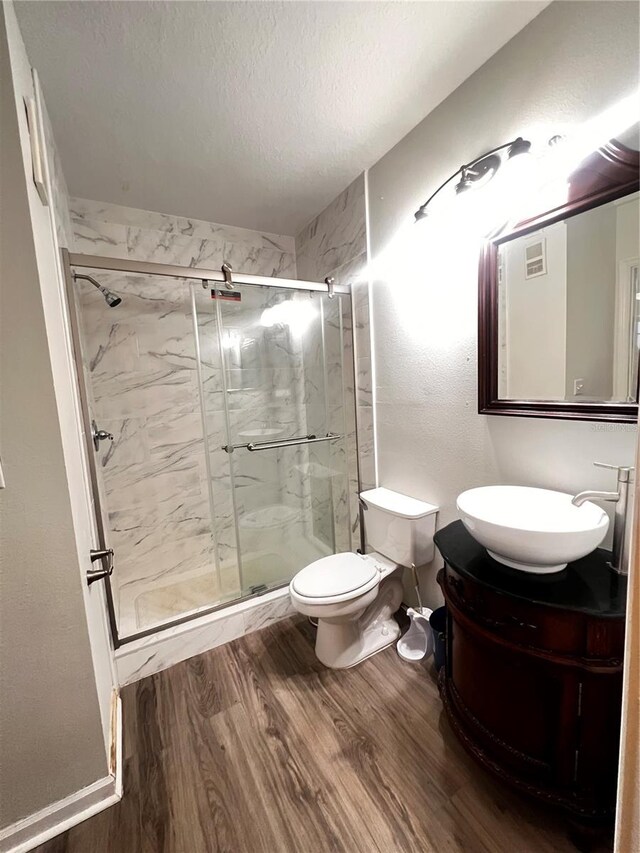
[249, 113]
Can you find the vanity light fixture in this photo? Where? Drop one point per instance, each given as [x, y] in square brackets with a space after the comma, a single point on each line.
[479, 171]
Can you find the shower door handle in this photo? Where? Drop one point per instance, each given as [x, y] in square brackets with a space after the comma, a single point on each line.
[292, 442]
[252, 446]
[103, 571]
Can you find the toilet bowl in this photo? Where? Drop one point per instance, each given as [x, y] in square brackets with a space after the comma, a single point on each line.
[354, 596]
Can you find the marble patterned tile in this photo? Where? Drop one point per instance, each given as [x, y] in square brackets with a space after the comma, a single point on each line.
[364, 387]
[361, 291]
[144, 484]
[334, 244]
[174, 442]
[262, 615]
[260, 261]
[111, 348]
[152, 394]
[164, 247]
[93, 237]
[182, 226]
[366, 447]
[353, 272]
[157, 557]
[136, 661]
[335, 236]
[129, 446]
[159, 651]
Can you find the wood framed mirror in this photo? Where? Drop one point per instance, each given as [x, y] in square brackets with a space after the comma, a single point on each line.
[559, 300]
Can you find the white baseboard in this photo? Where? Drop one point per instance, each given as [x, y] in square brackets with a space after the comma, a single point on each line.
[119, 737]
[58, 817]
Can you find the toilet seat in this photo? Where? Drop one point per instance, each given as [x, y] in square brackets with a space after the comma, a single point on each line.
[336, 578]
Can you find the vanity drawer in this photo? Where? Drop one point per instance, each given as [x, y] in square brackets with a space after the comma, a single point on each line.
[516, 621]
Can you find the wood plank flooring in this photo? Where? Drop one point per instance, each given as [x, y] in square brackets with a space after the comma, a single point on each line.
[255, 747]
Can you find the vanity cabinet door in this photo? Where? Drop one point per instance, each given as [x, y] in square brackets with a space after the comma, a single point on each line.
[597, 757]
[519, 712]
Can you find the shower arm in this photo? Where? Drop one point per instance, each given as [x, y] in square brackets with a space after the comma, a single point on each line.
[86, 277]
[92, 281]
[111, 298]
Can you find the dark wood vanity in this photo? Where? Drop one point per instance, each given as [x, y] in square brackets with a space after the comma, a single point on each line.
[532, 682]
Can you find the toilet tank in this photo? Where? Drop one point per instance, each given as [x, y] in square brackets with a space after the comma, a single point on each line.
[399, 527]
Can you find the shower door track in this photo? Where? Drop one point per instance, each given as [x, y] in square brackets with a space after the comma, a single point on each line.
[99, 262]
[71, 259]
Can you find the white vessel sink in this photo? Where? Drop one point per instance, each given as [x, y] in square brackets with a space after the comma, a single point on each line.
[534, 530]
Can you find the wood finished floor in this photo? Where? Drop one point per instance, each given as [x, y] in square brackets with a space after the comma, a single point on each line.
[255, 747]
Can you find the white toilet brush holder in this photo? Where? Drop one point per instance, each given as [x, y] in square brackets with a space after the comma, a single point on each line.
[417, 642]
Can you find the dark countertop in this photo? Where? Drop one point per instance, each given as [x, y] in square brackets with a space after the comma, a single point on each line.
[587, 585]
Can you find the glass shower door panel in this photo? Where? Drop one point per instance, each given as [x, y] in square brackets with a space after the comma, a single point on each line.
[143, 388]
[287, 497]
[212, 344]
[329, 482]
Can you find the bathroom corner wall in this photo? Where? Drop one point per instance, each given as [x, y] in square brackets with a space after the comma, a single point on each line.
[573, 61]
[334, 244]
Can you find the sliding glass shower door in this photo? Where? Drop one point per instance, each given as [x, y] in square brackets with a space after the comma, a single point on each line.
[219, 464]
[141, 383]
[276, 424]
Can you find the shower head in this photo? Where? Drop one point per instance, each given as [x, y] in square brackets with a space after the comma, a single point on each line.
[112, 299]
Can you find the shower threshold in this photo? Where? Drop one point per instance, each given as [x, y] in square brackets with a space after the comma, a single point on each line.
[158, 649]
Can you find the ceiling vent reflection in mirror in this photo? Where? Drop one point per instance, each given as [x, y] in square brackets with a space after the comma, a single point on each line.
[536, 259]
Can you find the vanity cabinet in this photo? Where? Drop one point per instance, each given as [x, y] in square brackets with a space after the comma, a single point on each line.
[532, 681]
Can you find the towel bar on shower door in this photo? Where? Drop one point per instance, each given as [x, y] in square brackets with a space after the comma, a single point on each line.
[252, 446]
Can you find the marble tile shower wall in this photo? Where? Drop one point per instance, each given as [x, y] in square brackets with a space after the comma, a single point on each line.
[327, 475]
[146, 388]
[334, 244]
[117, 231]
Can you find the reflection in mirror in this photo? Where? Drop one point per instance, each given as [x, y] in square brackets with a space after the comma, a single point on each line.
[569, 308]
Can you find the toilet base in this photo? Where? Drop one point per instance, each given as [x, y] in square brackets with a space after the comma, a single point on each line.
[344, 642]
[352, 650]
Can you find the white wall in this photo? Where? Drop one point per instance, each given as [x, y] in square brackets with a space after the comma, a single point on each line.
[535, 312]
[591, 279]
[628, 229]
[570, 63]
[54, 715]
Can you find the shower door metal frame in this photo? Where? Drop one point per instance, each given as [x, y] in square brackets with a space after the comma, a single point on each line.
[204, 275]
[99, 262]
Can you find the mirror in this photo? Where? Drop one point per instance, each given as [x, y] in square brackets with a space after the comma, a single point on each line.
[574, 286]
[559, 326]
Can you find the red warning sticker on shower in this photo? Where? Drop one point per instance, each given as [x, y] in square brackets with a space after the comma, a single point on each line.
[226, 295]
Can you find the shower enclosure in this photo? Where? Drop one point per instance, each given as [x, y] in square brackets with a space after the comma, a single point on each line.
[216, 411]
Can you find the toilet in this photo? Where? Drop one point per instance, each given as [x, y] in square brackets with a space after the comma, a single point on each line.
[354, 596]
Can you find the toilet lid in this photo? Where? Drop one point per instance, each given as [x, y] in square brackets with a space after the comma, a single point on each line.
[335, 575]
